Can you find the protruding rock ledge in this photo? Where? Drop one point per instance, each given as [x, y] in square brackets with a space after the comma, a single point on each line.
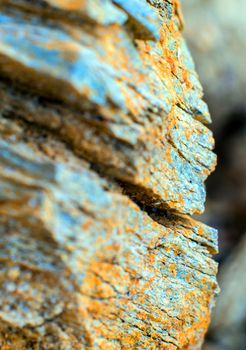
[98, 114]
[139, 101]
[79, 258]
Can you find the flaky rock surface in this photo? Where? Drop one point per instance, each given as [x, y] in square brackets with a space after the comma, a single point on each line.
[103, 154]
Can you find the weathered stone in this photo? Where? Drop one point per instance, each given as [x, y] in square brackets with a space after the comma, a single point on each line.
[104, 152]
[76, 252]
[86, 71]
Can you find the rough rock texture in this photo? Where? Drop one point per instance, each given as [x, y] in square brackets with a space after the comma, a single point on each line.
[103, 157]
[215, 31]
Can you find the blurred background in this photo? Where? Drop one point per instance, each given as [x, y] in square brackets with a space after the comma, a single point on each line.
[216, 34]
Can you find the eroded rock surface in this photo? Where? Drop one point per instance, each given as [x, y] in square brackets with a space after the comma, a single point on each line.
[103, 157]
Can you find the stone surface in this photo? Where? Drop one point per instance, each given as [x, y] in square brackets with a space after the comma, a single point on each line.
[103, 156]
[219, 49]
[144, 82]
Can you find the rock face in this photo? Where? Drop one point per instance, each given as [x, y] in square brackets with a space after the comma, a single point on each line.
[104, 153]
[215, 31]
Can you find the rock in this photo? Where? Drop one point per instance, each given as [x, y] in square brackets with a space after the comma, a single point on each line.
[103, 157]
[228, 322]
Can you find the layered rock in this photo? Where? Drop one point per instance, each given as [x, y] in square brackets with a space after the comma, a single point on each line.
[104, 154]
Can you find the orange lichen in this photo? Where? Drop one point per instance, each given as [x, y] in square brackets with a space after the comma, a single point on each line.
[101, 271]
[71, 5]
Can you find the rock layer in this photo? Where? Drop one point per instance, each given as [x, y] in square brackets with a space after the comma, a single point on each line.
[104, 154]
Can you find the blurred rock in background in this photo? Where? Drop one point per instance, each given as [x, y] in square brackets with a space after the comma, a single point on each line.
[216, 34]
[227, 329]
